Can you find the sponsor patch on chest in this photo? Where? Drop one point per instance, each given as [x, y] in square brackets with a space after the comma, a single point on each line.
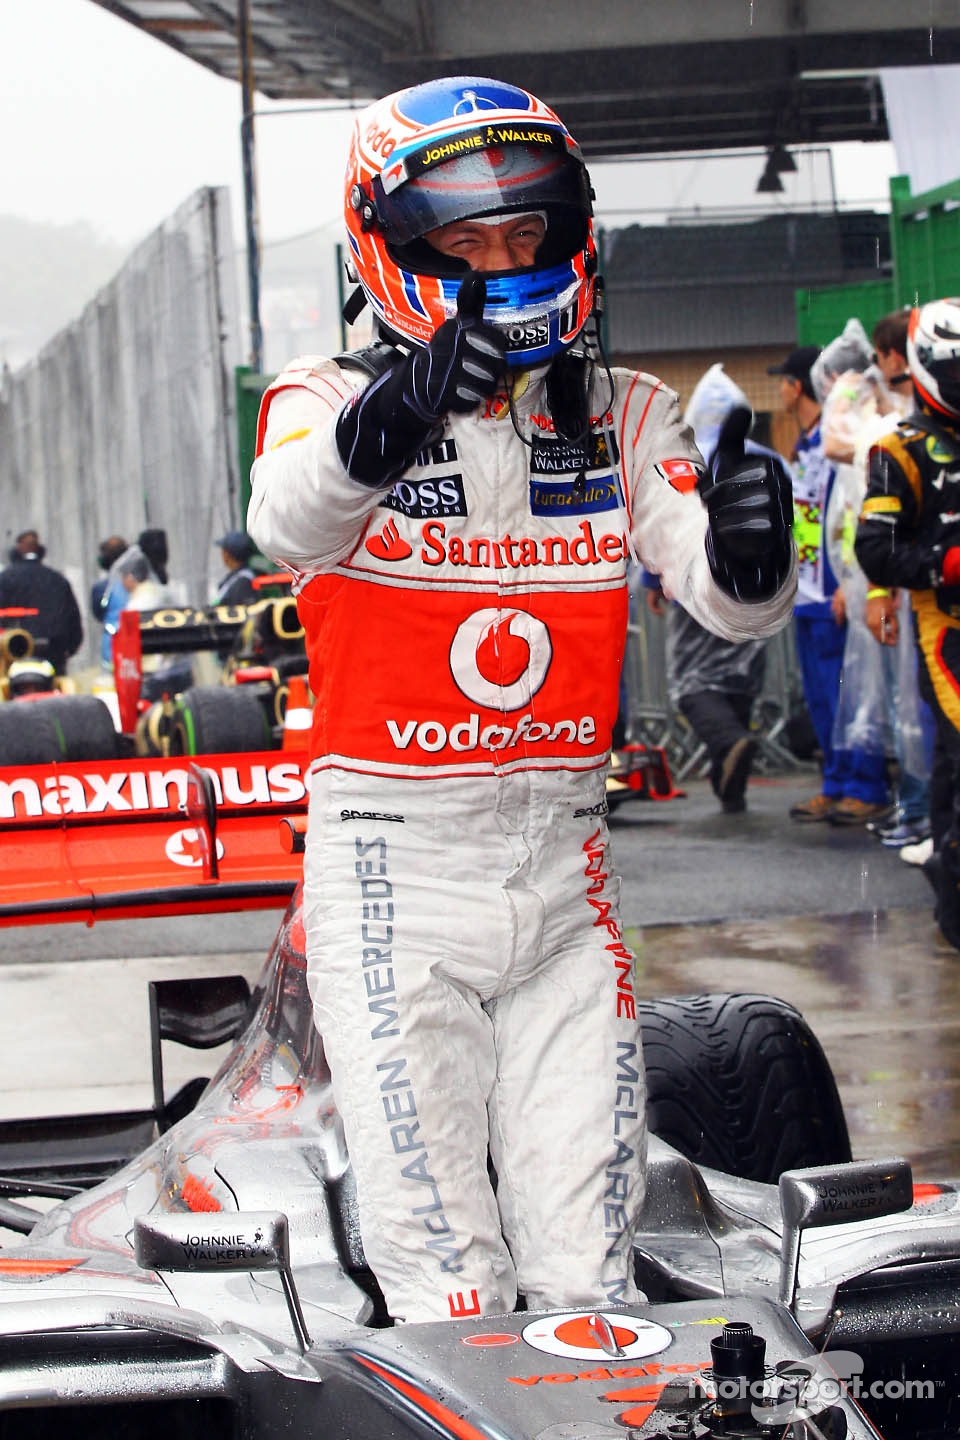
[566, 477]
[423, 499]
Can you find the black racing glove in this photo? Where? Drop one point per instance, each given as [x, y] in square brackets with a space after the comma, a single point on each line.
[381, 431]
[749, 500]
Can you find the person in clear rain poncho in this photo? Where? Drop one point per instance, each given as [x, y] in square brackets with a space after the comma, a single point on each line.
[877, 712]
[714, 682]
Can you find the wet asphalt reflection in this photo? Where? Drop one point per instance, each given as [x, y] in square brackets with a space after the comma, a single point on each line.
[824, 918]
[881, 993]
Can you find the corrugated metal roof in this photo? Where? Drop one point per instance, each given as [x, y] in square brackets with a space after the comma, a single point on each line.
[628, 77]
[328, 49]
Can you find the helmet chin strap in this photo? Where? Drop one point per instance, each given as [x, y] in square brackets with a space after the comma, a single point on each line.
[353, 305]
[569, 386]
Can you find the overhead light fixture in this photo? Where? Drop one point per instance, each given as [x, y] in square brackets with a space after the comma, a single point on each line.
[769, 182]
[838, 75]
[780, 159]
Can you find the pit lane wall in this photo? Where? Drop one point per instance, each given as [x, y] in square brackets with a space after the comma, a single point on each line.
[126, 419]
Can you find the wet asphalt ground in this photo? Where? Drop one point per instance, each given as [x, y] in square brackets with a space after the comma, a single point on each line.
[823, 917]
[685, 861]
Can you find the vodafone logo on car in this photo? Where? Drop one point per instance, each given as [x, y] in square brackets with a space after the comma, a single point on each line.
[500, 658]
[574, 1336]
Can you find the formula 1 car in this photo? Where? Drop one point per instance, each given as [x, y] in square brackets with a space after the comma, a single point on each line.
[24, 667]
[203, 1272]
[42, 716]
[262, 647]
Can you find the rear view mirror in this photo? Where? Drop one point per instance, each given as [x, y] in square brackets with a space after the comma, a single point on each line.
[242, 1240]
[836, 1195]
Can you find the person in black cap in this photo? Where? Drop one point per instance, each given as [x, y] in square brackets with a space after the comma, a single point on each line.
[236, 587]
[797, 366]
[819, 617]
[819, 636]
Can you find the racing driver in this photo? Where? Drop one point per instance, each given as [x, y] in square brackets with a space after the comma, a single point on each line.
[457, 504]
[909, 536]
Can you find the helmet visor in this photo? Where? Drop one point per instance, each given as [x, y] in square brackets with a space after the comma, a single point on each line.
[508, 178]
[946, 373]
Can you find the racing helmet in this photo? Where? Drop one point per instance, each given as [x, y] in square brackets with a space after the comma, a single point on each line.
[455, 149]
[933, 354]
[31, 677]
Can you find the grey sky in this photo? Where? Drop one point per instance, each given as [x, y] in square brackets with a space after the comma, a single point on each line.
[104, 124]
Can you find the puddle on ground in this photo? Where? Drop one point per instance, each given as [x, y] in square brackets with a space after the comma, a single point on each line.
[881, 992]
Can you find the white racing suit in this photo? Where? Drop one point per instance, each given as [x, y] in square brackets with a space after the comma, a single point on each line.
[469, 977]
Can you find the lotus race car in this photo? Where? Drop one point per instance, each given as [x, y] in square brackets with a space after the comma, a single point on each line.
[198, 1269]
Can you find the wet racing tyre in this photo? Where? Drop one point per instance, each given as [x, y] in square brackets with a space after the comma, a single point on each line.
[218, 720]
[153, 729]
[28, 735]
[740, 1083]
[86, 727]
